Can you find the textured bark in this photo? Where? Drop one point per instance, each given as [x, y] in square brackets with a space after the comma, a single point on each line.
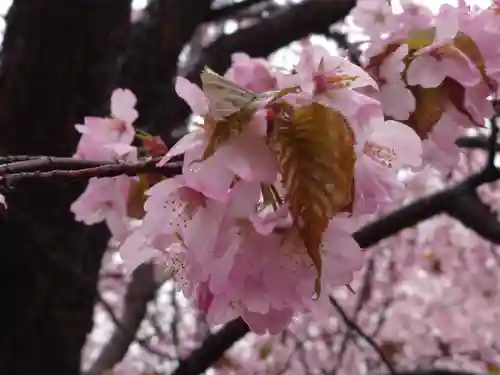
[58, 59]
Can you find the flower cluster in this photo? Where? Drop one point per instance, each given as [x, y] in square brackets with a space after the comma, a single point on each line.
[436, 72]
[108, 139]
[286, 165]
[273, 185]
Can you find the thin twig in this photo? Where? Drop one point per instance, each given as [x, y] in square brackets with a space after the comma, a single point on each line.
[363, 297]
[47, 163]
[356, 328]
[100, 170]
[14, 158]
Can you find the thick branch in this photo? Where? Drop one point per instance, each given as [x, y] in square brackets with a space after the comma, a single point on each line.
[213, 347]
[141, 289]
[291, 23]
[474, 214]
[479, 141]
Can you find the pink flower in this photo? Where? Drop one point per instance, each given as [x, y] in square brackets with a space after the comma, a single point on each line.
[104, 140]
[374, 16]
[329, 80]
[271, 276]
[385, 147]
[440, 149]
[246, 156]
[415, 16]
[397, 100]
[109, 138]
[376, 187]
[251, 73]
[434, 63]
[123, 102]
[105, 199]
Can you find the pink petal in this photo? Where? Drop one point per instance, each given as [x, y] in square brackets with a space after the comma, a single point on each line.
[188, 142]
[425, 71]
[250, 158]
[123, 102]
[402, 139]
[193, 96]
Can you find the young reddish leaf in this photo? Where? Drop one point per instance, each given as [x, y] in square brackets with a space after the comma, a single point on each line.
[265, 351]
[137, 197]
[469, 48]
[456, 95]
[492, 368]
[235, 104]
[431, 103]
[156, 146]
[315, 148]
[225, 129]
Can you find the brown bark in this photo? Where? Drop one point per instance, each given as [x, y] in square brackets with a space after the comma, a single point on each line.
[58, 57]
[150, 65]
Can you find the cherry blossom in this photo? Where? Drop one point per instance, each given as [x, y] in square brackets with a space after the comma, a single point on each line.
[211, 223]
[109, 138]
[374, 16]
[432, 78]
[105, 199]
[102, 139]
[239, 232]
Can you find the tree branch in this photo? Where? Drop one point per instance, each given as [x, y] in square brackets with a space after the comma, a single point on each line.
[76, 169]
[213, 347]
[352, 325]
[292, 23]
[230, 10]
[479, 141]
[141, 289]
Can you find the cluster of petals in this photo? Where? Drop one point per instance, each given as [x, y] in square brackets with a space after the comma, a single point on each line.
[436, 72]
[108, 140]
[231, 252]
[228, 228]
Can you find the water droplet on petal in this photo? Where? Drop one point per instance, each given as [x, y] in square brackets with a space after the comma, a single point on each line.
[194, 167]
